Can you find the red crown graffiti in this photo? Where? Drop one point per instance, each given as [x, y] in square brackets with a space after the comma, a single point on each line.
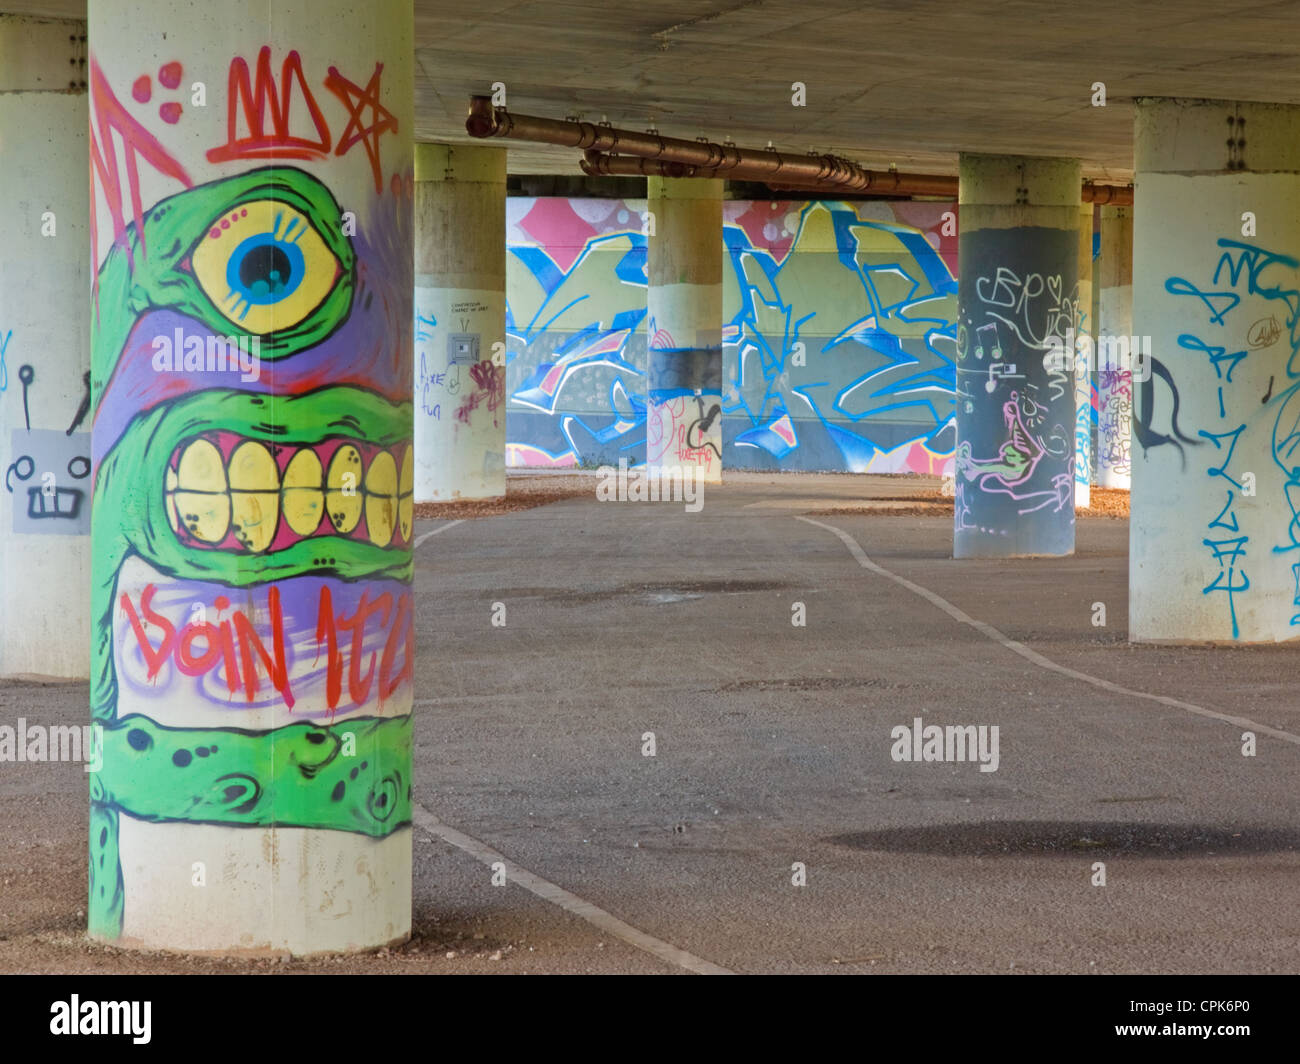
[260, 124]
[262, 103]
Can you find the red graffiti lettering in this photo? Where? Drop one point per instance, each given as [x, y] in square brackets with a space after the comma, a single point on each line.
[249, 641]
[359, 688]
[403, 626]
[685, 453]
[260, 114]
[154, 659]
[261, 100]
[235, 644]
[196, 666]
[328, 631]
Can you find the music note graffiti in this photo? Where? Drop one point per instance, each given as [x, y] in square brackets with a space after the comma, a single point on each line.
[993, 345]
[26, 374]
[1008, 370]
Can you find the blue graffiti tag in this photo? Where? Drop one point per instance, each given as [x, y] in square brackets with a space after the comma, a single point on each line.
[1257, 267]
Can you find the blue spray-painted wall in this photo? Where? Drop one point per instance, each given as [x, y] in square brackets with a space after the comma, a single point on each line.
[839, 334]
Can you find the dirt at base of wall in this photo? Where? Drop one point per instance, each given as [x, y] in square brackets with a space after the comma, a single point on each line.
[1102, 502]
[522, 493]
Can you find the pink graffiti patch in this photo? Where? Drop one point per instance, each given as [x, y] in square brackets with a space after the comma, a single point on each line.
[764, 224]
[552, 379]
[490, 385]
[142, 89]
[169, 74]
[662, 340]
[783, 428]
[556, 227]
[525, 454]
[170, 113]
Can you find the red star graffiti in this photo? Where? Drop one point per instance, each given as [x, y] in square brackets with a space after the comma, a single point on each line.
[357, 100]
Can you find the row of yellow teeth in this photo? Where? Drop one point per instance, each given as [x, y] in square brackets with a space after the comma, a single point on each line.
[249, 498]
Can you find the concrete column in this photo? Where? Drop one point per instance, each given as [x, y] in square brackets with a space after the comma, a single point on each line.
[460, 323]
[1094, 317]
[1085, 325]
[1018, 266]
[1115, 322]
[44, 351]
[251, 186]
[1215, 529]
[684, 336]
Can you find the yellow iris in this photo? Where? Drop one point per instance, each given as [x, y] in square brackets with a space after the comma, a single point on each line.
[264, 266]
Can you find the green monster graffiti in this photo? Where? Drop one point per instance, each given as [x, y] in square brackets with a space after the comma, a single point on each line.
[257, 256]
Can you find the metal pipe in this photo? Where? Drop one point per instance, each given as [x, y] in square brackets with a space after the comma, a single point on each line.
[884, 182]
[620, 152]
[1115, 195]
[597, 164]
[485, 121]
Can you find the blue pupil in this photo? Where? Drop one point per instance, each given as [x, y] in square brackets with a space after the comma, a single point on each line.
[264, 269]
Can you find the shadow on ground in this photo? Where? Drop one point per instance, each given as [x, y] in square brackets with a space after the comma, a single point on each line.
[1070, 838]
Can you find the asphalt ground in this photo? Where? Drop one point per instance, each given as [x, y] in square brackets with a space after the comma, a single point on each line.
[772, 749]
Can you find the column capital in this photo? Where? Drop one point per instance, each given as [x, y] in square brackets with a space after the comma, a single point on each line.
[42, 54]
[1019, 180]
[465, 163]
[684, 188]
[1186, 136]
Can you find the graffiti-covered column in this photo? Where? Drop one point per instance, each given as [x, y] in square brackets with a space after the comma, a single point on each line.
[684, 338]
[1114, 367]
[460, 322]
[251, 185]
[1085, 326]
[1018, 299]
[44, 351]
[1214, 551]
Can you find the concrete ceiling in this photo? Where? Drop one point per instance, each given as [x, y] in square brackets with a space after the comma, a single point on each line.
[909, 82]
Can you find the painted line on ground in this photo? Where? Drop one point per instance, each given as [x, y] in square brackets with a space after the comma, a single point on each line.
[549, 891]
[556, 895]
[1033, 656]
[440, 528]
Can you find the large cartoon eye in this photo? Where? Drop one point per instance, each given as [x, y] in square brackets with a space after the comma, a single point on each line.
[264, 266]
